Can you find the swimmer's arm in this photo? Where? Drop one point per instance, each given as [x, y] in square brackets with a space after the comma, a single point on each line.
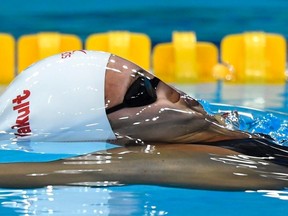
[189, 166]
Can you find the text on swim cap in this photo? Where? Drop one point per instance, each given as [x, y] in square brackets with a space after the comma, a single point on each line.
[68, 54]
[22, 106]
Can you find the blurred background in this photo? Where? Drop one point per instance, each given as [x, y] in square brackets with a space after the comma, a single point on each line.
[210, 19]
[256, 52]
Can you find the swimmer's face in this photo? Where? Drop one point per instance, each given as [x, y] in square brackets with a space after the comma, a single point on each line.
[168, 118]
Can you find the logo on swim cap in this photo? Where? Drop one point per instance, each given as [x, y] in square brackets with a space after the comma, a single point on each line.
[60, 98]
[22, 106]
[68, 54]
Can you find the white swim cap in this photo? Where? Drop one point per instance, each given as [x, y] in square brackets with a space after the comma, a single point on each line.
[60, 98]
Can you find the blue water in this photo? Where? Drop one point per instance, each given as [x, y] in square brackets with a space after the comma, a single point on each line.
[140, 200]
[155, 200]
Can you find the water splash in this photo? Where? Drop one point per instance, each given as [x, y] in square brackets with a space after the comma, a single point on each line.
[268, 123]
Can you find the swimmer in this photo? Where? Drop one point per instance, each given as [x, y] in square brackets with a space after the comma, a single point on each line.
[95, 96]
[167, 137]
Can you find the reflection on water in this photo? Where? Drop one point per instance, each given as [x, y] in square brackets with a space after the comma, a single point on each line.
[271, 97]
[140, 200]
[66, 201]
[281, 195]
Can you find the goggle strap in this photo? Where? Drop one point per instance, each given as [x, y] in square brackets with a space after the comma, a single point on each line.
[115, 108]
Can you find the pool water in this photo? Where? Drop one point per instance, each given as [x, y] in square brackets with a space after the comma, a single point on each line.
[156, 200]
[140, 200]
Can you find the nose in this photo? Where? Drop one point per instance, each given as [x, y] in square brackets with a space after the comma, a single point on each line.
[191, 103]
[164, 91]
[194, 104]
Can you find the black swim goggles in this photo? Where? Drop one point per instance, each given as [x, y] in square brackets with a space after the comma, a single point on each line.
[142, 92]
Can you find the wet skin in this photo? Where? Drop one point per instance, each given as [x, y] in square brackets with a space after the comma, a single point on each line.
[173, 118]
[171, 142]
[189, 166]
